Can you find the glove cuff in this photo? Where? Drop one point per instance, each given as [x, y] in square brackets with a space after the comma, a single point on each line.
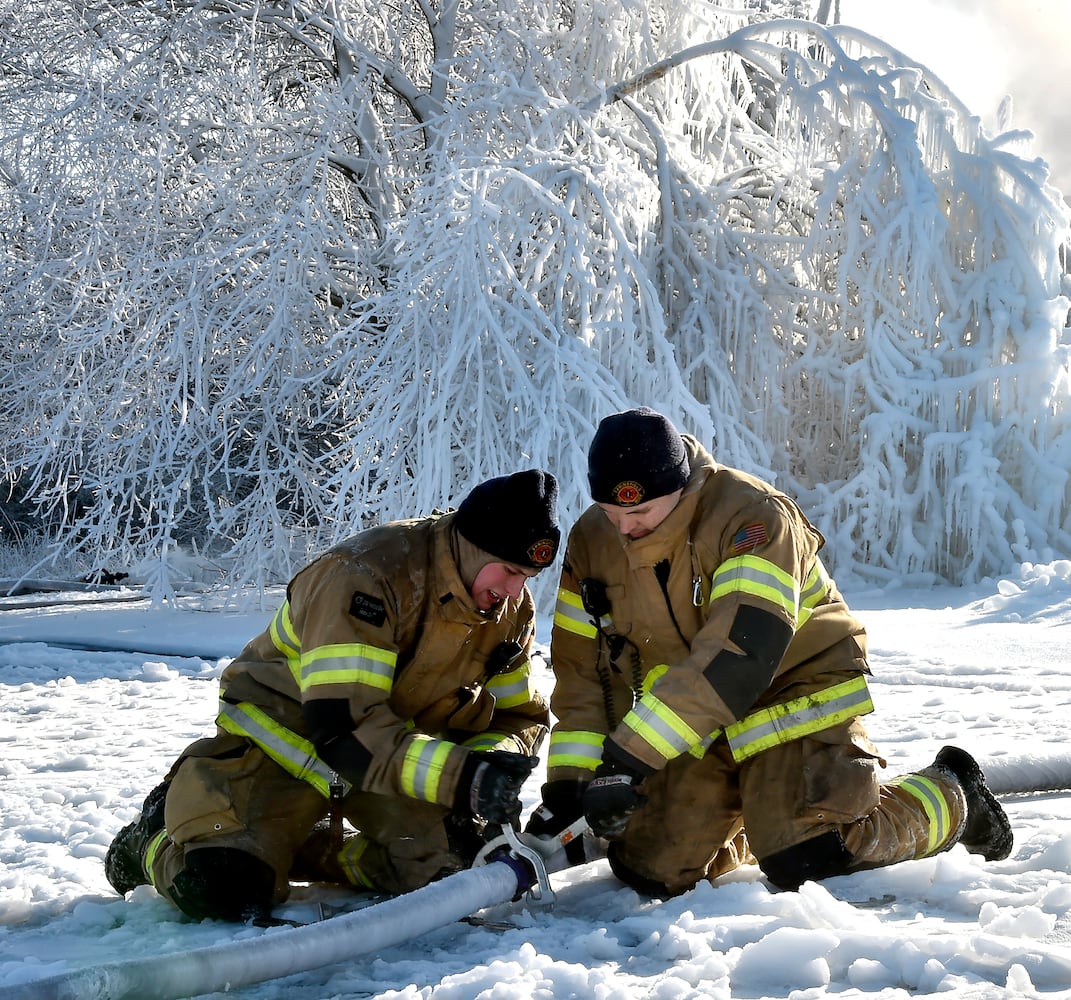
[465, 795]
[617, 761]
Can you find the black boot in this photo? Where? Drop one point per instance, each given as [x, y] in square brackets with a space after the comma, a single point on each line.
[987, 831]
[124, 864]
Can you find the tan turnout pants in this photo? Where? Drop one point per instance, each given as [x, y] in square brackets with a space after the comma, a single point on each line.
[690, 827]
[225, 792]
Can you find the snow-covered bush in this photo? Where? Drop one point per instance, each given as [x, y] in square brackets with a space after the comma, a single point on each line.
[272, 273]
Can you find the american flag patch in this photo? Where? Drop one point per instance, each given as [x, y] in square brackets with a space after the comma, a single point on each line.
[750, 537]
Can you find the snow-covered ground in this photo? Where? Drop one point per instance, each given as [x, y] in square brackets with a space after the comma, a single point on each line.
[85, 734]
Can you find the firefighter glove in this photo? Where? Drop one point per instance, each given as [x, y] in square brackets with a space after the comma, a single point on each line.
[490, 785]
[611, 799]
[562, 805]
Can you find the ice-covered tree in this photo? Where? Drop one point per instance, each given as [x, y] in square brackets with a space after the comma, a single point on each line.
[273, 271]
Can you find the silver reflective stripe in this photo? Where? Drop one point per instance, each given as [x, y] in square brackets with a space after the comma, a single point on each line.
[575, 749]
[291, 752]
[933, 803]
[510, 689]
[654, 722]
[799, 717]
[570, 615]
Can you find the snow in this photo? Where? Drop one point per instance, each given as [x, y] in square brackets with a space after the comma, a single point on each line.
[86, 733]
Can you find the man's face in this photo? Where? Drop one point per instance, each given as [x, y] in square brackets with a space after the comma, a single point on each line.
[497, 581]
[635, 522]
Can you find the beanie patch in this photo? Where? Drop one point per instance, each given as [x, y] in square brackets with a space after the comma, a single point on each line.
[628, 493]
[541, 553]
[636, 456]
[514, 518]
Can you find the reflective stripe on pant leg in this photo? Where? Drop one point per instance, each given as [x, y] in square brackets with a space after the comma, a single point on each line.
[942, 822]
[918, 815]
[932, 803]
[151, 851]
[349, 858]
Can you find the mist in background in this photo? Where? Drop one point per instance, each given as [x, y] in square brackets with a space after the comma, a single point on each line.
[985, 51]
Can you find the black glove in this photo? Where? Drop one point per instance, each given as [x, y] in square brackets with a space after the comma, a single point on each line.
[562, 805]
[611, 799]
[490, 785]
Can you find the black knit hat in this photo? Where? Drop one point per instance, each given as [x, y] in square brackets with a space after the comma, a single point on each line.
[514, 518]
[635, 456]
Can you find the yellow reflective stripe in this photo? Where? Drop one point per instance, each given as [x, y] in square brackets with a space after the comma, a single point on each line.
[285, 639]
[422, 767]
[750, 574]
[348, 663]
[511, 689]
[652, 675]
[293, 753]
[353, 849]
[815, 591]
[654, 722]
[699, 751]
[575, 748]
[934, 804]
[486, 741]
[799, 717]
[151, 851]
[570, 615]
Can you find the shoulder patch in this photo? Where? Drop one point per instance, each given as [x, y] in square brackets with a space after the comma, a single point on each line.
[750, 537]
[367, 608]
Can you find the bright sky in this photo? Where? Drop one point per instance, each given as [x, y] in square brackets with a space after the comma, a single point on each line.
[985, 49]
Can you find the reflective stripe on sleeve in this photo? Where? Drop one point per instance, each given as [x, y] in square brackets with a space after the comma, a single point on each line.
[575, 748]
[699, 751]
[422, 767]
[348, 663]
[285, 639]
[513, 688]
[749, 574]
[654, 722]
[293, 753]
[799, 717]
[815, 591]
[933, 803]
[487, 741]
[570, 615]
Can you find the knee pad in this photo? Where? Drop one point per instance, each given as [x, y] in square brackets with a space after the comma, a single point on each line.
[222, 883]
[812, 860]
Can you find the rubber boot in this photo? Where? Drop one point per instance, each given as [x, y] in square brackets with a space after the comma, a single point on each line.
[124, 864]
[987, 831]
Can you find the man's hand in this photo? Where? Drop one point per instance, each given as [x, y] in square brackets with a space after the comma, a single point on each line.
[490, 785]
[562, 806]
[611, 799]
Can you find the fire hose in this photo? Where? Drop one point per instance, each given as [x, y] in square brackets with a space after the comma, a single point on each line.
[506, 868]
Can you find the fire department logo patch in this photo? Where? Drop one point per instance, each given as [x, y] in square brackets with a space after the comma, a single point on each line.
[542, 552]
[628, 493]
[750, 537]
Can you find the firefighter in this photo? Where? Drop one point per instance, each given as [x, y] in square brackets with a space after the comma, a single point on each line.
[391, 691]
[710, 686]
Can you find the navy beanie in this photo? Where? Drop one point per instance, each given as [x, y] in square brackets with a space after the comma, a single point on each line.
[514, 518]
[635, 456]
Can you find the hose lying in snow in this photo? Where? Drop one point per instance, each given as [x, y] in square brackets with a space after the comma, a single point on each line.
[1027, 773]
[285, 952]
